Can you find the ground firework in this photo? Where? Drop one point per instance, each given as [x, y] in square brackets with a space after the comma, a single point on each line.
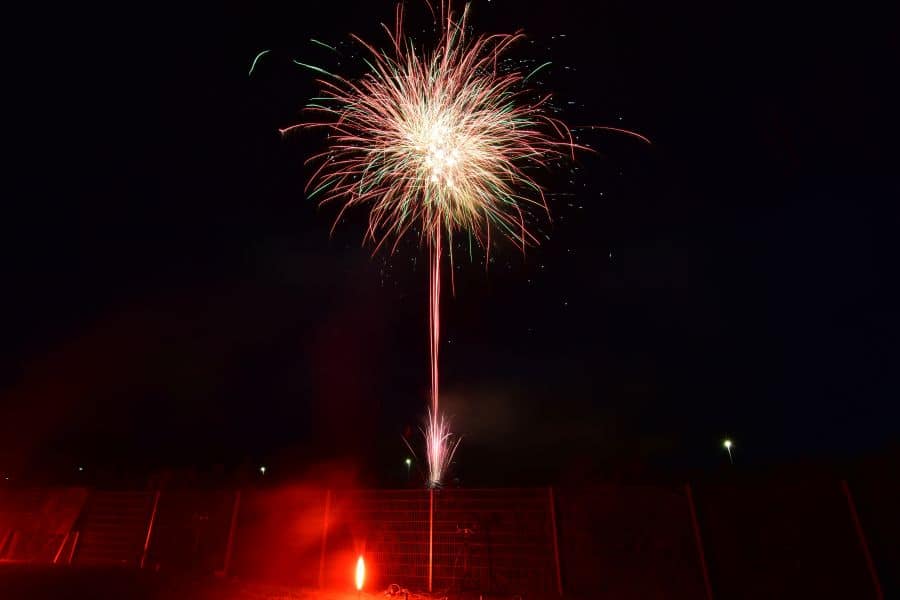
[440, 141]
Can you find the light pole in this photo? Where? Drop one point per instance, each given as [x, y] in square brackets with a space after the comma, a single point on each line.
[408, 466]
[728, 444]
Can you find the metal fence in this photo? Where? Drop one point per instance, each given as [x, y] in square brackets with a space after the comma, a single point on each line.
[611, 535]
[498, 541]
[36, 524]
[713, 541]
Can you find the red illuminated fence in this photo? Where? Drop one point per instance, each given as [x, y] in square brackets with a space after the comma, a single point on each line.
[798, 538]
[390, 528]
[490, 540]
[497, 541]
[191, 531]
[630, 542]
[113, 528]
[278, 536]
[35, 525]
[622, 542]
[494, 540]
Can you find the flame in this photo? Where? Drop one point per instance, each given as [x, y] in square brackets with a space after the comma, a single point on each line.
[360, 573]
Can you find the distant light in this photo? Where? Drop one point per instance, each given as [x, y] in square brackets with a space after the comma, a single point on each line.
[360, 572]
[81, 468]
[262, 470]
[408, 462]
[727, 444]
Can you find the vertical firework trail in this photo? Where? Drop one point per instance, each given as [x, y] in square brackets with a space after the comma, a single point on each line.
[440, 444]
[434, 310]
[438, 141]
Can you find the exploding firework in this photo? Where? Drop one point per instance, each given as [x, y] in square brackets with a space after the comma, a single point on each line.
[440, 142]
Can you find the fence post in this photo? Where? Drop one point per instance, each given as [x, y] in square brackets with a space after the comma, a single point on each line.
[324, 538]
[3, 541]
[229, 546]
[699, 539]
[61, 546]
[73, 548]
[430, 536]
[552, 505]
[857, 524]
[150, 528]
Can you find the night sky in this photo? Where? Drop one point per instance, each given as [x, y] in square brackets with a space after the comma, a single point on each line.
[172, 299]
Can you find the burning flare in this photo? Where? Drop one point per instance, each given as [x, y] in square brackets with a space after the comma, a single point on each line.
[360, 573]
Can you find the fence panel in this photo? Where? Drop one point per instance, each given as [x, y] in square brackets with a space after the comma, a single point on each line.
[278, 536]
[390, 527]
[35, 522]
[628, 542]
[877, 499]
[191, 531]
[495, 541]
[782, 541]
[768, 540]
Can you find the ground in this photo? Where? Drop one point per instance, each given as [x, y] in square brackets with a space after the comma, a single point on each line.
[21, 582]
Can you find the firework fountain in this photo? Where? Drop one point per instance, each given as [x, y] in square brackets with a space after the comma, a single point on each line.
[439, 142]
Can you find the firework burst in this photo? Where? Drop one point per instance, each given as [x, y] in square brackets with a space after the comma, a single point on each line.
[442, 142]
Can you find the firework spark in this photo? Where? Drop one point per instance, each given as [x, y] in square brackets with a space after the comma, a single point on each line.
[442, 142]
[256, 60]
[440, 446]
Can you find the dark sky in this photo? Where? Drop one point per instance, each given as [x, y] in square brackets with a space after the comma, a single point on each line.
[171, 298]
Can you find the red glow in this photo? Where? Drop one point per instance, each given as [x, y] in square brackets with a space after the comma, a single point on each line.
[360, 573]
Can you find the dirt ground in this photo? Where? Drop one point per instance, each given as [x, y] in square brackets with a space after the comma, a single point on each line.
[26, 582]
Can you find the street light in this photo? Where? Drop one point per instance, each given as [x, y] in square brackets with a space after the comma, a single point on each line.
[728, 444]
[408, 462]
[262, 470]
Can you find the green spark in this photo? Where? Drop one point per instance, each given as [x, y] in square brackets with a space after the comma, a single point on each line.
[253, 64]
[530, 75]
[322, 187]
[323, 44]
[314, 68]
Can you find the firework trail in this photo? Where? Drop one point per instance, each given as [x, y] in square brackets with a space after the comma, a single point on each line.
[441, 142]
